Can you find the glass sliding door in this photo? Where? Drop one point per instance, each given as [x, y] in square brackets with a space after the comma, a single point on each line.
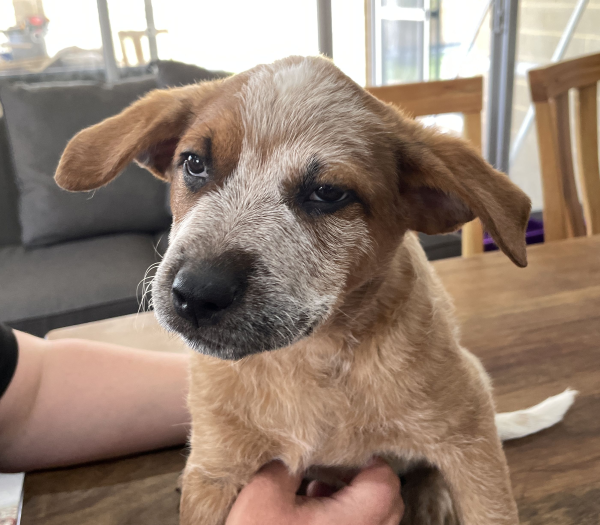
[401, 41]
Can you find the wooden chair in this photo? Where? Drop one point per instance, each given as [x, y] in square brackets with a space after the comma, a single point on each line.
[136, 38]
[550, 87]
[461, 95]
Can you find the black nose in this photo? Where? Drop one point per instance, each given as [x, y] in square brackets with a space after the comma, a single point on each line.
[203, 291]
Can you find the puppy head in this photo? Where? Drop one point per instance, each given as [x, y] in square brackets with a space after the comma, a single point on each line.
[290, 188]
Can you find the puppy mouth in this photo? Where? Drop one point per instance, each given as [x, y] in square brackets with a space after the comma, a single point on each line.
[232, 305]
[228, 351]
[243, 332]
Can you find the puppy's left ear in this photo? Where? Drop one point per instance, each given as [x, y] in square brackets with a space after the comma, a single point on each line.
[148, 132]
[445, 183]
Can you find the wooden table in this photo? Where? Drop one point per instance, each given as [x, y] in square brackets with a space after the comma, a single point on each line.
[537, 331]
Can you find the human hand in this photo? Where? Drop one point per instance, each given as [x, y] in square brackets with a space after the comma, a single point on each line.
[371, 498]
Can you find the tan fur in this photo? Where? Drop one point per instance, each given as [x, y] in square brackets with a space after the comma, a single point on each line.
[383, 371]
[342, 402]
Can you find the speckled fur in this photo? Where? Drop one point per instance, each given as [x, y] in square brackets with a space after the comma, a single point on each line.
[383, 371]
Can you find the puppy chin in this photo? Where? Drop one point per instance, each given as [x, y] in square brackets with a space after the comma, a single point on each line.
[237, 345]
[231, 344]
[224, 351]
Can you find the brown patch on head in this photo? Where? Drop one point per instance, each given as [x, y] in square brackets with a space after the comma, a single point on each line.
[266, 142]
[154, 132]
[148, 132]
[215, 135]
[147, 129]
[445, 183]
[442, 183]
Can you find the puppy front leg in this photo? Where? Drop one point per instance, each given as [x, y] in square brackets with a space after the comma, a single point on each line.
[214, 473]
[477, 476]
[206, 500]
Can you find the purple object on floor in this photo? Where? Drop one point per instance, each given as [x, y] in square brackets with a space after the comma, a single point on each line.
[533, 235]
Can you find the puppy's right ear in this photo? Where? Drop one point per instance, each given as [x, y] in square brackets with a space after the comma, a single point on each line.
[147, 131]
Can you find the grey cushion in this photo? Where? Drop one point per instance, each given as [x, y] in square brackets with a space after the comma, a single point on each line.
[441, 246]
[10, 231]
[41, 118]
[173, 74]
[73, 282]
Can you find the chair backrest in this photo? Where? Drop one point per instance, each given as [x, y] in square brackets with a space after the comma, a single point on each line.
[550, 87]
[461, 95]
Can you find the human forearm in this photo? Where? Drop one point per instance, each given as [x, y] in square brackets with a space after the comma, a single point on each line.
[95, 401]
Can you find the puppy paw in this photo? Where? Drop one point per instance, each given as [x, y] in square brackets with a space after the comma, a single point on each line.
[427, 499]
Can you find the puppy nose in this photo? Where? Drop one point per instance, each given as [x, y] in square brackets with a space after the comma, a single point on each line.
[204, 291]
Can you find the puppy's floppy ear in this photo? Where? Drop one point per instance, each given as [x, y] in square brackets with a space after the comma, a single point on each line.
[147, 131]
[445, 183]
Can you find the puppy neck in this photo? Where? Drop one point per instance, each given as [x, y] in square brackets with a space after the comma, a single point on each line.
[404, 302]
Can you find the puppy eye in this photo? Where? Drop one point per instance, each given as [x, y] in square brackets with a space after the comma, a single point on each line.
[329, 194]
[325, 199]
[194, 166]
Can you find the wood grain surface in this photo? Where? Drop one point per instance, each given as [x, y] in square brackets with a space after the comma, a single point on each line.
[549, 87]
[586, 136]
[472, 232]
[574, 212]
[557, 78]
[537, 331]
[555, 213]
[460, 95]
[135, 330]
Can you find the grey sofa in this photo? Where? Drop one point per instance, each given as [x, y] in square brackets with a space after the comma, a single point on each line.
[73, 258]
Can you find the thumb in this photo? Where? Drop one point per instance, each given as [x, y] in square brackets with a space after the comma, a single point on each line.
[275, 479]
[374, 491]
[269, 495]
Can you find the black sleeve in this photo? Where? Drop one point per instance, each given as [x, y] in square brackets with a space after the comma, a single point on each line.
[9, 354]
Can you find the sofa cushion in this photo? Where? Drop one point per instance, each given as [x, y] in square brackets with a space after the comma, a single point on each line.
[10, 231]
[441, 246]
[73, 282]
[171, 73]
[41, 118]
